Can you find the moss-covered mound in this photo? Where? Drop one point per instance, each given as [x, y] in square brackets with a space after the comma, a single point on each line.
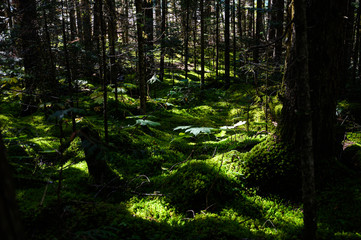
[197, 185]
[271, 167]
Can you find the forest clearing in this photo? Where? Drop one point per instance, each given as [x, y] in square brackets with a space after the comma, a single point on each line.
[180, 119]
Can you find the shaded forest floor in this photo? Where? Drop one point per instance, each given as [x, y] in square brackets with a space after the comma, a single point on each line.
[184, 168]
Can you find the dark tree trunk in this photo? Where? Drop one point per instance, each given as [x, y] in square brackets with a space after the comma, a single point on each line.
[163, 32]
[104, 71]
[72, 18]
[201, 9]
[87, 37]
[149, 31]
[259, 25]
[217, 36]
[10, 226]
[186, 39]
[325, 42]
[141, 62]
[30, 51]
[67, 63]
[234, 38]
[278, 24]
[304, 140]
[226, 44]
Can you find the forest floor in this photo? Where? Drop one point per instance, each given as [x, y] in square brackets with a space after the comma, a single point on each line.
[181, 169]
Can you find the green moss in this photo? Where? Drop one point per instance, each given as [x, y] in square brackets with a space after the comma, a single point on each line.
[197, 185]
[272, 168]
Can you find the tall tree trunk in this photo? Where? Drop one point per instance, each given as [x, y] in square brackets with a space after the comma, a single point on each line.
[149, 31]
[71, 6]
[217, 36]
[30, 52]
[68, 73]
[304, 141]
[325, 41]
[259, 24]
[195, 19]
[113, 38]
[87, 37]
[79, 22]
[250, 19]
[279, 9]
[163, 32]
[186, 40]
[10, 225]
[104, 71]
[201, 9]
[141, 65]
[226, 44]
[234, 38]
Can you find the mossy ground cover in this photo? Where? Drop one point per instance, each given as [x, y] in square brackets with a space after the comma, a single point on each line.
[210, 179]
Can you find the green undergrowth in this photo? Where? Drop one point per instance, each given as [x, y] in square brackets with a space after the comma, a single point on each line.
[202, 164]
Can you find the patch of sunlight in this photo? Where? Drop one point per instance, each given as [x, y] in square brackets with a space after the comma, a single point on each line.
[82, 166]
[235, 112]
[155, 209]
[203, 109]
[46, 143]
